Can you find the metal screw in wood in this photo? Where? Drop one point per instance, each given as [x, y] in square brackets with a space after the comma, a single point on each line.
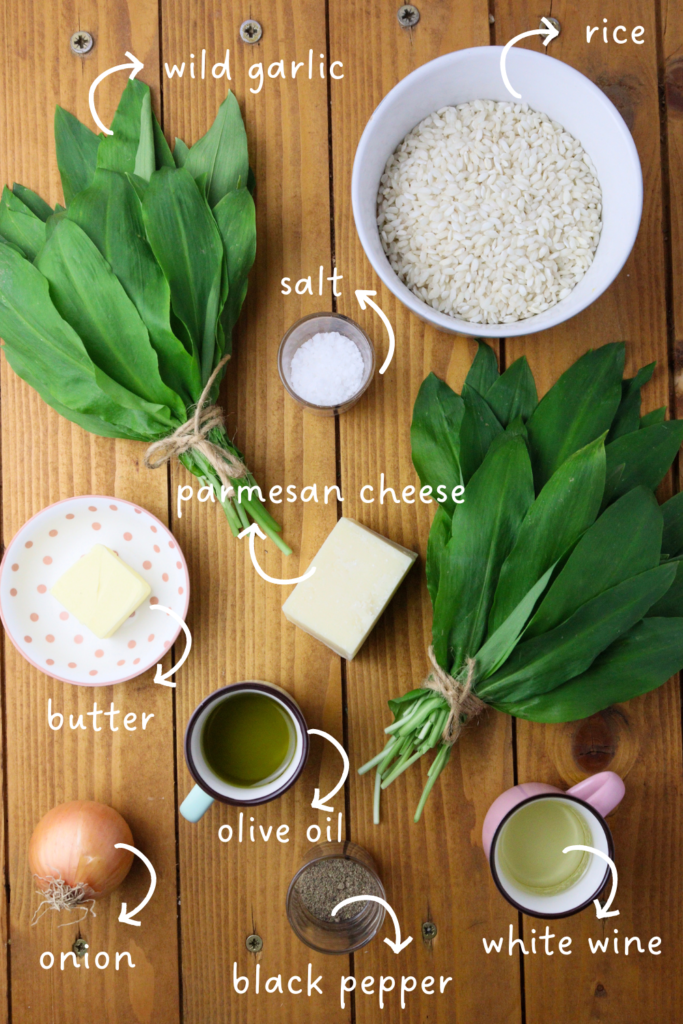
[80, 948]
[250, 31]
[81, 43]
[408, 15]
[428, 931]
[554, 22]
[254, 943]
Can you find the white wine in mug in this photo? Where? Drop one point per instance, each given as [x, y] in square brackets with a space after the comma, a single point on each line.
[531, 846]
[527, 831]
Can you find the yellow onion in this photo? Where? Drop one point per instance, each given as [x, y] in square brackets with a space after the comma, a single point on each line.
[73, 854]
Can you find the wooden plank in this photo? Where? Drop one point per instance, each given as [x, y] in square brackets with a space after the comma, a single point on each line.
[4, 902]
[641, 739]
[672, 52]
[432, 871]
[230, 890]
[435, 870]
[44, 458]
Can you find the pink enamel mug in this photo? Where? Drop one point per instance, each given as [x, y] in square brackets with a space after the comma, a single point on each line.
[511, 821]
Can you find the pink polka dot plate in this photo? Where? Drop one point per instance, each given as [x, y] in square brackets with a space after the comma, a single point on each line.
[49, 544]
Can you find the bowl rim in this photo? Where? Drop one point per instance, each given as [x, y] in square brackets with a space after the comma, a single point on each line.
[388, 276]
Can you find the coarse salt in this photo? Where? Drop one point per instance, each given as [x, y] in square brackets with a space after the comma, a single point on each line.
[327, 369]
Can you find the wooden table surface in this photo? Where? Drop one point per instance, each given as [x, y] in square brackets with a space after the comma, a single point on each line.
[211, 895]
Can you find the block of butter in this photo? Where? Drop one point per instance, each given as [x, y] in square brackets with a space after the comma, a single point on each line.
[357, 572]
[101, 591]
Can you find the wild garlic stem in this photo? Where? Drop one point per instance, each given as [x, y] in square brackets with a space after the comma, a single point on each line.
[375, 761]
[375, 802]
[237, 512]
[438, 765]
[417, 727]
[401, 765]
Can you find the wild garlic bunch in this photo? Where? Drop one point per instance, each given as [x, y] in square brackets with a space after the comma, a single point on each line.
[557, 586]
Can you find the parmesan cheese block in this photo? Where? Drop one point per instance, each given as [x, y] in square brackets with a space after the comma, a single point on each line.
[357, 572]
[101, 591]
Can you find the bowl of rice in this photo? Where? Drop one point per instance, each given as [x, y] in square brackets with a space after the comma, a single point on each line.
[491, 216]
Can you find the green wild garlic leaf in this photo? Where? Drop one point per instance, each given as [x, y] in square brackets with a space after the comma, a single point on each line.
[77, 150]
[545, 662]
[478, 430]
[484, 530]
[89, 296]
[439, 536]
[579, 408]
[483, 373]
[33, 329]
[435, 437]
[641, 458]
[25, 367]
[110, 213]
[501, 644]
[513, 394]
[235, 217]
[221, 154]
[33, 201]
[671, 604]
[650, 418]
[672, 536]
[641, 659]
[624, 541]
[131, 147]
[627, 417]
[180, 152]
[20, 226]
[564, 509]
[162, 151]
[186, 243]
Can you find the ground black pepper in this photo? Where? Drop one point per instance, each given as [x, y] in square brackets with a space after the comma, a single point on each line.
[327, 882]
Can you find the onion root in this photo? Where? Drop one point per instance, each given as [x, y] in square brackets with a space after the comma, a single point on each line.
[59, 895]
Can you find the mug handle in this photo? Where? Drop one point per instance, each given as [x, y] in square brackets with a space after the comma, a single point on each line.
[603, 791]
[196, 804]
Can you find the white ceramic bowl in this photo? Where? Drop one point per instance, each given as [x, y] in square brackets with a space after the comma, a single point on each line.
[547, 85]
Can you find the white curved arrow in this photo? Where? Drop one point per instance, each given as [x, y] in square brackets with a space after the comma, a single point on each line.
[252, 531]
[137, 66]
[163, 677]
[363, 300]
[125, 917]
[318, 803]
[601, 911]
[550, 33]
[397, 946]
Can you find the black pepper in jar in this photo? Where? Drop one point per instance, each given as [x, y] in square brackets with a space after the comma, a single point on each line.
[327, 882]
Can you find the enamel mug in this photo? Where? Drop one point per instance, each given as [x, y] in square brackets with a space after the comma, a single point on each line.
[591, 800]
[209, 785]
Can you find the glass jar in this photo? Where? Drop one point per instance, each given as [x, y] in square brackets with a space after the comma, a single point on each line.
[336, 936]
[323, 323]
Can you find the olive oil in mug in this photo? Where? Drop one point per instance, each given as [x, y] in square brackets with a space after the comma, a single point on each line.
[531, 844]
[248, 739]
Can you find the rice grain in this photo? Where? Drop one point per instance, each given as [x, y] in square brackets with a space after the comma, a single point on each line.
[489, 211]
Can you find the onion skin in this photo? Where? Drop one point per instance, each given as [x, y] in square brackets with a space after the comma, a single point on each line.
[76, 842]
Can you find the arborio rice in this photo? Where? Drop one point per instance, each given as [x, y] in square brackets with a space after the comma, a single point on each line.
[490, 212]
